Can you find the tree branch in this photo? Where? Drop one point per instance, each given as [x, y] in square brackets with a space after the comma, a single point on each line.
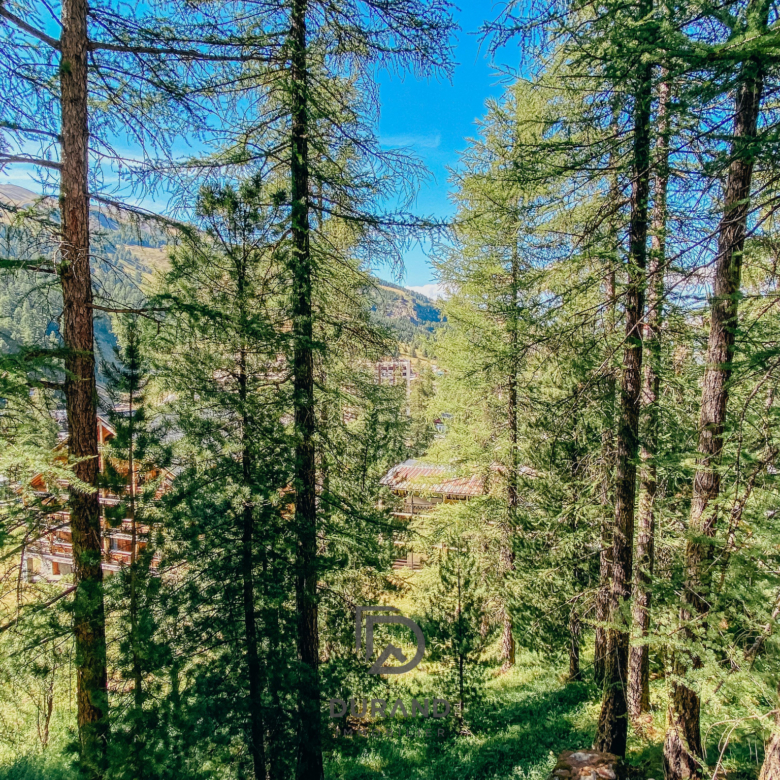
[31, 130]
[150, 215]
[23, 265]
[140, 312]
[187, 53]
[29, 29]
[39, 608]
[30, 160]
[45, 383]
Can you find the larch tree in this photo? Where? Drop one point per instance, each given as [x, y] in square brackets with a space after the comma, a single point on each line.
[522, 317]
[630, 35]
[107, 67]
[683, 751]
[217, 357]
[488, 276]
[134, 472]
[322, 136]
[612, 730]
[639, 660]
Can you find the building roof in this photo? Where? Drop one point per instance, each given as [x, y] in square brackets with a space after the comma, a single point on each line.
[414, 475]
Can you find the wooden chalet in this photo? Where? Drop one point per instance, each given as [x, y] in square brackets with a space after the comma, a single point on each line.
[420, 487]
[50, 556]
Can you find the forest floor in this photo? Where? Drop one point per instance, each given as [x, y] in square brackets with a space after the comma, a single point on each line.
[527, 717]
[524, 720]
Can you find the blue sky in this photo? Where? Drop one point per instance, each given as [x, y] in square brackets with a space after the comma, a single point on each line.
[434, 119]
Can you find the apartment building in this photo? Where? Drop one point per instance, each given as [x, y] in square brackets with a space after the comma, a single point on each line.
[50, 556]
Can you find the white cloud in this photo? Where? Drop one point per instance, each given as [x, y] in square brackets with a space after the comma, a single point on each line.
[432, 290]
[427, 141]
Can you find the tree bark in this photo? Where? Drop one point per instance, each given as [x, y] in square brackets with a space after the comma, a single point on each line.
[575, 631]
[253, 663]
[275, 721]
[80, 395]
[254, 671]
[461, 695]
[682, 745]
[138, 693]
[309, 762]
[639, 656]
[613, 723]
[607, 503]
[507, 636]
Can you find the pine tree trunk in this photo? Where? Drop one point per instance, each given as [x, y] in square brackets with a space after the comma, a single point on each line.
[613, 722]
[600, 634]
[770, 769]
[507, 642]
[461, 696]
[310, 765]
[607, 503]
[138, 692]
[80, 396]
[275, 722]
[254, 672]
[682, 746]
[639, 657]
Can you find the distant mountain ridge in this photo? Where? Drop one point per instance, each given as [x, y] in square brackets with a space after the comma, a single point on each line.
[135, 249]
[105, 217]
[410, 315]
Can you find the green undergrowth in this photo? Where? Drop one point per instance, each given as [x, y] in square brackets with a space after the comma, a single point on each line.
[524, 720]
[515, 732]
[45, 765]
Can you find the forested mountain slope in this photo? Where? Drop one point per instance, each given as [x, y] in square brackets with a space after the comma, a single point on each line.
[127, 253]
[410, 315]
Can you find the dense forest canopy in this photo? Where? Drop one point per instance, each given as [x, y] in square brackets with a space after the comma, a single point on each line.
[267, 515]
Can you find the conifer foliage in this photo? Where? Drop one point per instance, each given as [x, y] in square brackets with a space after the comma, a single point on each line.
[604, 380]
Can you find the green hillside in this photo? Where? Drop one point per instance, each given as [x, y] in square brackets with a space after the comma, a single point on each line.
[127, 254]
[411, 316]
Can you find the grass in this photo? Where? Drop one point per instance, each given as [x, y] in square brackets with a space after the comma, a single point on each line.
[528, 716]
[38, 767]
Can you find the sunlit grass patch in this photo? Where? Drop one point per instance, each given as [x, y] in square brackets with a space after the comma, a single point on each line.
[525, 719]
